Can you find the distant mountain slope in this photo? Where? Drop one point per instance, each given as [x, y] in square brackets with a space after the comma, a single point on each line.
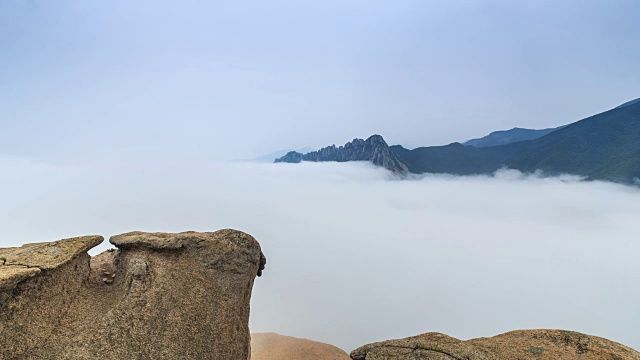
[503, 137]
[374, 149]
[271, 157]
[604, 146]
[630, 103]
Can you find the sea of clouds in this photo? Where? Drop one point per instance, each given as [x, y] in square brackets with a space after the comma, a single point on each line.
[356, 255]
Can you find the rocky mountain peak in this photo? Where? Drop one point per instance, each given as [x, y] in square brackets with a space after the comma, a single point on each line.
[376, 139]
[373, 149]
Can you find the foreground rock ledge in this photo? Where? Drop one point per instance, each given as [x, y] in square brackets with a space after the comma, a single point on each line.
[271, 346]
[158, 296]
[514, 345]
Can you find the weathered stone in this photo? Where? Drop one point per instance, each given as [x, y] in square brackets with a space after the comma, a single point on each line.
[20, 263]
[10, 276]
[157, 241]
[516, 345]
[159, 296]
[270, 346]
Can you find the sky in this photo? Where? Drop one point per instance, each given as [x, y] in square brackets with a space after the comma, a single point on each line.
[118, 116]
[356, 256]
[88, 81]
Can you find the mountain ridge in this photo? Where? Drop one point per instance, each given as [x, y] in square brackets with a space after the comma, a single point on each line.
[503, 137]
[374, 149]
[632, 102]
[605, 146]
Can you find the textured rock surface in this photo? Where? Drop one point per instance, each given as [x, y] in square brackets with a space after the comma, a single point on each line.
[159, 296]
[514, 345]
[374, 149]
[48, 256]
[270, 346]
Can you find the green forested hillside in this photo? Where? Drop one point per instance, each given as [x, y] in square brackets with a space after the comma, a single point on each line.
[604, 146]
[503, 137]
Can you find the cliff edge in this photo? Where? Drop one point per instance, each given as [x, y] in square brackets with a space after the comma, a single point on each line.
[158, 296]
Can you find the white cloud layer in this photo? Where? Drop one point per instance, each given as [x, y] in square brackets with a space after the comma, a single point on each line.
[355, 256]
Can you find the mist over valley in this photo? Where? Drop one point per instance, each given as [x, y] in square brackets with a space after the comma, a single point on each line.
[356, 255]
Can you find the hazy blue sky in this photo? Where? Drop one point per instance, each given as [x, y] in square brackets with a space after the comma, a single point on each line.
[85, 80]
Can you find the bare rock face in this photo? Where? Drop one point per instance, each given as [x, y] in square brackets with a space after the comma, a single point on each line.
[158, 296]
[514, 345]
[374, 149]
[271, 346]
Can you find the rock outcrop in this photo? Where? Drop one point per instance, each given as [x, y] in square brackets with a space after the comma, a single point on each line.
[514, 345]
[271, 346]
[158, 296]
[374, 149]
